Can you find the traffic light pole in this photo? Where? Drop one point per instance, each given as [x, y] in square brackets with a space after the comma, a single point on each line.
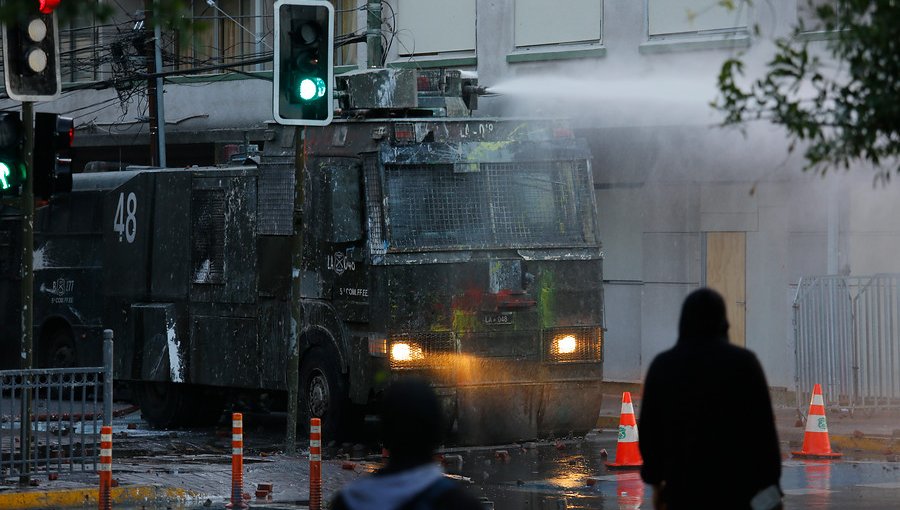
[27, 208]
[374, 49]
[155, 108]
[293, 368]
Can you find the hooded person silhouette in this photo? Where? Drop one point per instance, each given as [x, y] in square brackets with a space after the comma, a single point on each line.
[411, 430]
[708, 435]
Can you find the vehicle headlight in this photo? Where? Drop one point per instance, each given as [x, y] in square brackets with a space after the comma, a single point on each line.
[565, 344]
[573, 344]
[405, 352]
[421, 349]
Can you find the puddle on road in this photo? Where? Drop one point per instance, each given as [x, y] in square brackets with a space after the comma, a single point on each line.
[547, 476]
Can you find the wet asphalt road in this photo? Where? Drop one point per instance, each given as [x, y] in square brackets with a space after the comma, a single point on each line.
[572, 475]
[547, 478]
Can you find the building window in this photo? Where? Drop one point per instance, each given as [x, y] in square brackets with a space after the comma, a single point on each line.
[433, 26]
[226, 31]
[807, 15]
[222, 32]
[79, 42]
[540, 22]
[346, 14]
[670, 17]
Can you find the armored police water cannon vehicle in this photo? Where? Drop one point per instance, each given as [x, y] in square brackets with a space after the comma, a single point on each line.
[429, 242]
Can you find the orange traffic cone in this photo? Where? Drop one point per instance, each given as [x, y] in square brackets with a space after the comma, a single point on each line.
[815, 440]
[627, 453]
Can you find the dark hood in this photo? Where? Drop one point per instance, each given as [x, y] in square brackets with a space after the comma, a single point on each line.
[703, 318]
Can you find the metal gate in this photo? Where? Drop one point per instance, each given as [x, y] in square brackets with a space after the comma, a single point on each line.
[847, 338]
[57, 413]
[878, 342]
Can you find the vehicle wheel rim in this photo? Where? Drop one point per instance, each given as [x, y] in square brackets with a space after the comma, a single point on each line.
[63, 356]
[318, 395]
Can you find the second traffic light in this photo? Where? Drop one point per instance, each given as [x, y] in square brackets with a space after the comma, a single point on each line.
[30, 48]
[304, 56]
[52, 166]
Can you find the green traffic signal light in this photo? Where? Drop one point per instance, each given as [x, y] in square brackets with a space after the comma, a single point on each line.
[5, 176]
[12, 175]
[311, 88]
[12, 167]
[9, 176]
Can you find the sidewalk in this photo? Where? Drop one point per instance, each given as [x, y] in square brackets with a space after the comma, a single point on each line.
[162, 469]
[870, 433]
[197, 481]
[202, 480]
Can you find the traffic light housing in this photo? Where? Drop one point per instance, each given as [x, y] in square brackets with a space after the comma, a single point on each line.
[47, 6]
[303, 90]
[53, 136]
[12, 162]
[31, 57]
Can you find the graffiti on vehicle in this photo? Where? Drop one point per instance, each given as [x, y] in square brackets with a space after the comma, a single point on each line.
[340, 262]
[61, 290]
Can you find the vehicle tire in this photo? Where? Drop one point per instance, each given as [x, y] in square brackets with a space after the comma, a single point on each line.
[168, 405]
[59, 350]
[323, 394]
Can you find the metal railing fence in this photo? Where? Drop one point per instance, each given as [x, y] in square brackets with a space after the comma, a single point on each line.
[877, 339]
[847, 338]
[60, 431]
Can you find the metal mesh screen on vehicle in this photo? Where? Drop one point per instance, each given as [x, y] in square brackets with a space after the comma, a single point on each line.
[489, 205]
[276, 196]
[373, 206]
[427, 349]
[208, 236]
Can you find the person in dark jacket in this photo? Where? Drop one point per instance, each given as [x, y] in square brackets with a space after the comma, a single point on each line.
[707, 431]
[411, 429]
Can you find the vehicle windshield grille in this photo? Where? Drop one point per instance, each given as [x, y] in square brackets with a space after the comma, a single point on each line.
[487, 205]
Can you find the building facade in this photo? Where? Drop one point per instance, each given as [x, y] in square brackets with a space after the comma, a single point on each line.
[682, 202]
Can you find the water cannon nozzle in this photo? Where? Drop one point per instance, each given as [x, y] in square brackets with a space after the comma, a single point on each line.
[476, 90]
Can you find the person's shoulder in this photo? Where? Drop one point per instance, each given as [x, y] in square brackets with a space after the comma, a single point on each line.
[338, 502]
[664, 357]
[458, 498]
[663, 366]
[740, 356]
[739, 351]
[444, 494]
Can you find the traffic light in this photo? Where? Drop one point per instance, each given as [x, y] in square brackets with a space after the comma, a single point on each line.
[30, 48]
[47, 6]
[53, 136]
[304, 57]
[12, 164]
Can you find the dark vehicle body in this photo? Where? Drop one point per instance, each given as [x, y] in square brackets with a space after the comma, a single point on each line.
[10, 281]
[461, 249]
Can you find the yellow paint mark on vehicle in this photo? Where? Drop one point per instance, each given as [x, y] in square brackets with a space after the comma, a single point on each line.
[464, 320]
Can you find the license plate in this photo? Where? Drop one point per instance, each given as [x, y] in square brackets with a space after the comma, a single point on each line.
[498, 319]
